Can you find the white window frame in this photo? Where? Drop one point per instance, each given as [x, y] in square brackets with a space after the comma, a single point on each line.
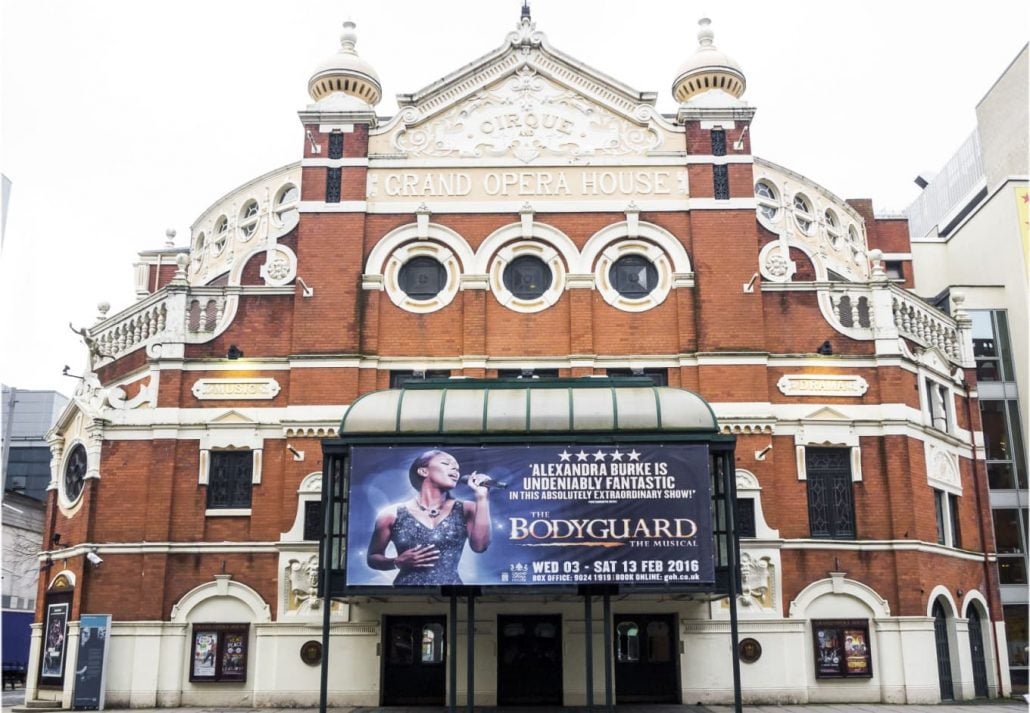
[230, 439]
[950, 529]
[937, 403]
[828, 436]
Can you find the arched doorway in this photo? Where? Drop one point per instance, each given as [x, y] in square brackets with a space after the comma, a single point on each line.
[940, 635]
[976, 653]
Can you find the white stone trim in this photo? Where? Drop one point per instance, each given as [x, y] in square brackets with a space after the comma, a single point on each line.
[748, 485]
[310, 490]
[227, 512]
[922, 546]
[822, 432]
[974, 596]
[445, 206]
[942, 467]
[721, 204]
[600, 241]
[244, 389]
[624, 248]
[422, 248]
[68, 574]
[559, 241]
[333, 162]
[280, 266]
[839, 585]
[340, 207]
[390, 161]
[822, 385]
[774, 263]
[942, 592]
[223, 586]
[389, 243]
[523, 248]
[845, 254]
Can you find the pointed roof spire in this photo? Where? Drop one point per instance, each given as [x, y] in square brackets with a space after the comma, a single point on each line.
[525, 11]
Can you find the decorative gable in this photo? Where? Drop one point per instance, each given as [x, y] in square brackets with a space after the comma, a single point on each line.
[526, 116]
[526, 102]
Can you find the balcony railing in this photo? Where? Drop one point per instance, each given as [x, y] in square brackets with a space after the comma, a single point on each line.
[884, 312]
[176, 314]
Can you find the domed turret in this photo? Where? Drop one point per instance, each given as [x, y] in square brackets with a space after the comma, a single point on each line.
[346, 73]
[708, 69]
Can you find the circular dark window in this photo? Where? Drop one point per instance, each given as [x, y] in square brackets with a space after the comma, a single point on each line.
[75, 472]
[422, 278]
[527, 277]
[633, 276]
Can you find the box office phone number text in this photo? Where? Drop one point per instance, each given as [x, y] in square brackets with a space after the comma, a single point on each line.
[649, 570]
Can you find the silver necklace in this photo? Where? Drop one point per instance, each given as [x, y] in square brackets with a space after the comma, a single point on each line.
[433, 512]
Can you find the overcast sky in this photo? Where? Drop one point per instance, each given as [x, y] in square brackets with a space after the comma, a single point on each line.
[122, 119]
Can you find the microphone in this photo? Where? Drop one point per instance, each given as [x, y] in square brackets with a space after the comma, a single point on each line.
[489, 482]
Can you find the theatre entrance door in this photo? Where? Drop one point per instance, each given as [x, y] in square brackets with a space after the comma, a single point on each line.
[529, 665]
[414, 661]
[646, 659]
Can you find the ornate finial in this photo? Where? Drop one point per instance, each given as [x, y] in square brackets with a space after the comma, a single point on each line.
[182, 261]
[958, 300]
[102, 309]
[526, 17]
[877, 270]
[170, 238]
[705, 34]
[349, 38]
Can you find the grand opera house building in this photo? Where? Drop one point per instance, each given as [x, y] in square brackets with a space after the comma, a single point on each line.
[553, 397]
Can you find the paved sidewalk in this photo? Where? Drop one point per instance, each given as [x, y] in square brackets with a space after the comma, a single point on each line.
[1009, 706]
[12, 699]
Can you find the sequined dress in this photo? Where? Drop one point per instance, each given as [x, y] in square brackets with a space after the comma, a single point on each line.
[448, 537]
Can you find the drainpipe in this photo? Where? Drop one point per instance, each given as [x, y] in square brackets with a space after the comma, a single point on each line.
[977, 482]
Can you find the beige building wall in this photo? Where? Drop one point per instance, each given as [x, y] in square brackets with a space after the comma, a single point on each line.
[1002, 117]
[983, 259]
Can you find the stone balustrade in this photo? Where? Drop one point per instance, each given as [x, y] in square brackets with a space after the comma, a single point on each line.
[929, 327]
[175, 315]
[884, 312]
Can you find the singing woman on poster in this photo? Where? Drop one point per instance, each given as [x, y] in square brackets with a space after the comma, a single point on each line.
[429, 530]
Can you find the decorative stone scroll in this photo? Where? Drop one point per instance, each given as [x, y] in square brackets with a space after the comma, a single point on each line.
[526, 116]
[236, 389]
[822, 385]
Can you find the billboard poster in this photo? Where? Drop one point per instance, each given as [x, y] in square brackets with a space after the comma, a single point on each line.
[90, 674]
[536, 515]
[827, 651]
[842, 648]
[856, 652]
[234, 662]
[54, 639]
[205, 647]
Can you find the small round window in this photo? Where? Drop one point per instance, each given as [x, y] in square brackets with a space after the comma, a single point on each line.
[633, 276]
[768, 201]
[198, 249]
[832, 227]
[221, 235]
[248, 220]
[422, 278]
[74, 472]
[527, 277]
[803, 212]
[286, 206]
